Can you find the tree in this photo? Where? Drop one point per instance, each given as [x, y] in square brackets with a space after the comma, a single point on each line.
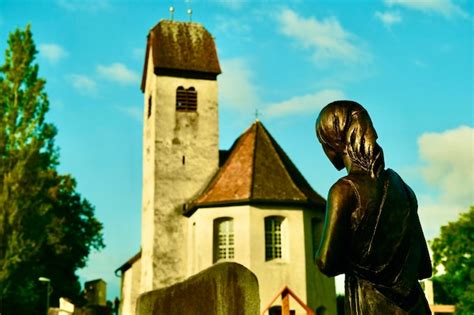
[454, 250]
[46, 228]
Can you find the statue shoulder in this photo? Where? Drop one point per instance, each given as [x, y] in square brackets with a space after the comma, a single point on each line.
[343, 193]
[409, 192]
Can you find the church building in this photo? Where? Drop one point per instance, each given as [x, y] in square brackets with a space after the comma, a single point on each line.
[202, 206]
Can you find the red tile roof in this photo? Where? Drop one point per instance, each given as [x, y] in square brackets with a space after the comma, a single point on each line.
[257, 171]
[181, 46]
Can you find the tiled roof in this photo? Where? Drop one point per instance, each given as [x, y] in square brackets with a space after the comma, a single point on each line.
[181, 46]
[257, 171]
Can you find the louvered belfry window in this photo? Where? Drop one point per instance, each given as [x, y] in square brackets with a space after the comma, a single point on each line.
[273, 236]
[186, 99]
[223, 239]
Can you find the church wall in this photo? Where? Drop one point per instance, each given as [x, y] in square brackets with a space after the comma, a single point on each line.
[321, 289]
[181, 153]
[201, 236]
[130, 288]
[295, 269]
[290, 269]
[148, 181]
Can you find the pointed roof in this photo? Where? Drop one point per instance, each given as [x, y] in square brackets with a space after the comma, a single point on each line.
[257, 171]
[181, 49]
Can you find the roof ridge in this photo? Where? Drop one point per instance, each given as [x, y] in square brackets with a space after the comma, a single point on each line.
[305, 184]
[274, 145]
[260, 166]
[252, 181]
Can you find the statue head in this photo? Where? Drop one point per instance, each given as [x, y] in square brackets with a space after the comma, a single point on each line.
[345, 128]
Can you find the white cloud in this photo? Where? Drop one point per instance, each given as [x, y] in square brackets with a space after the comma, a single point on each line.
[83, 84]
[420, 63]
[449, 169]
[84, 5]
[434, 214]
[388, 18]
[443, 7]
[328, 40]
[52, 52]
[449, 158]
[118, 72]
[235, 85]
[233, 27]
[135, 112]
[309, 103]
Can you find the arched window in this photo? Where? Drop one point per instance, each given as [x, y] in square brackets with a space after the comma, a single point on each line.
[223, 239]
[273, 237]
[186, 99]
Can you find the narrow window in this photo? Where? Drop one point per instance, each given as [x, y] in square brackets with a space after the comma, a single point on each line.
[273, 236]
[192, 99]
[186, 99]
[223, 239]
[149, 106]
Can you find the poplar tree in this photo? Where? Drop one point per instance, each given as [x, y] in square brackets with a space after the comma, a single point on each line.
[46, 228]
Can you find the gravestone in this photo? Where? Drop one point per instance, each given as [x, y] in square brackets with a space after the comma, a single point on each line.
[223, 289]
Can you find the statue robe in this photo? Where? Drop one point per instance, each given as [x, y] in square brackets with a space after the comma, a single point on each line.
[372, 234]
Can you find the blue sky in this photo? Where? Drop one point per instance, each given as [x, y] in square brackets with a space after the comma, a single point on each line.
[410, 63]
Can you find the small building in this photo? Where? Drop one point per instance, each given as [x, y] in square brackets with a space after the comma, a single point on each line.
[95, 292]
[202, 206]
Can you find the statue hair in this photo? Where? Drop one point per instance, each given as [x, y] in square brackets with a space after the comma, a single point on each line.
[345, 126]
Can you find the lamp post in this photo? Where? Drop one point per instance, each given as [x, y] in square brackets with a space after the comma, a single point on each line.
[47, 282]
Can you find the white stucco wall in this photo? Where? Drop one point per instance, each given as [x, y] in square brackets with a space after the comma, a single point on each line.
[295, 269]
[180, 155]
[130, 288]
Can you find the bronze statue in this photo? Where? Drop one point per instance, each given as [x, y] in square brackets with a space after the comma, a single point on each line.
[372, 232]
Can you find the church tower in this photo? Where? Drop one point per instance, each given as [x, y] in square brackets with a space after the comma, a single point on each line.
[180, 142]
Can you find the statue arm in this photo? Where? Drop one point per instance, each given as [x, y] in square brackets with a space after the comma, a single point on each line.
[330, 257]
[425, 268]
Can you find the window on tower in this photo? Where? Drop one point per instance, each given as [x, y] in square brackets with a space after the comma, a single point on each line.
[273, 237]
[149, 106]
[186, 99]
[223, 239]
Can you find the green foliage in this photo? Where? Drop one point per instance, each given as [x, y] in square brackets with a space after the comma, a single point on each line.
[46, 228]
[454, 250]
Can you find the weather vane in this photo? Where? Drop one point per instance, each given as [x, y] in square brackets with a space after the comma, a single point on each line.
[189, 11]
[256, 114]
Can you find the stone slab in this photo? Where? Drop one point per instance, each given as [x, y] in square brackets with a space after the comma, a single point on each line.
[223, 289]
